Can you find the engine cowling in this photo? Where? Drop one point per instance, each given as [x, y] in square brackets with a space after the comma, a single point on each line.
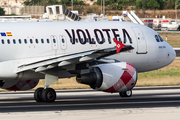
[8, 71]
[18, 85]
[113, 77]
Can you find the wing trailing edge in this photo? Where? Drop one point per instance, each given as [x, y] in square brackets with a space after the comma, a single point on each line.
[46, 64]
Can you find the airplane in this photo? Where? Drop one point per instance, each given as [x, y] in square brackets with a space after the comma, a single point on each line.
[105, 55]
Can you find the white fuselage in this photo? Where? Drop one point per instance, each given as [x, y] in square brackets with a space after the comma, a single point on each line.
[28, 42]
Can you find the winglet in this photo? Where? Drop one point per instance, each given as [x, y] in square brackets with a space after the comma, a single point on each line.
[119, 45]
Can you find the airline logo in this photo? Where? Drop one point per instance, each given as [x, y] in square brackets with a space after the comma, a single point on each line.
[119, 45]
[98, 35]
[6, 34]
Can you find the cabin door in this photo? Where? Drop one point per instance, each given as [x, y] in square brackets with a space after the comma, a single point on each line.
[141, 41]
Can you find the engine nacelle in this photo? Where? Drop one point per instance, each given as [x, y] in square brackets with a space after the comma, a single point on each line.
[18, 85]
[112, 77]
[8, 72]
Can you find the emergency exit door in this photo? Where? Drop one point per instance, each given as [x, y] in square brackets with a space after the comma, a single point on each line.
[63, 42]
[54, 42]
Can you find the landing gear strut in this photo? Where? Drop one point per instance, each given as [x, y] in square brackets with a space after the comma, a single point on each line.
[126, 93]
[47, 94]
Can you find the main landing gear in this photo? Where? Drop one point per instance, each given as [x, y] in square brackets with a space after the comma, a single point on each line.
[126, 93]
[47, 94]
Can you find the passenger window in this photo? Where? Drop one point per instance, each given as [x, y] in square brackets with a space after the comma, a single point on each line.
[76, 40]
[109, 40]
[37, 41]
[157, 38]
[130, 40]
[98, 40]
[14, 41]
[160, 38]
[63, 41]
[125, 39]
[2, 41]
[54, 40]
[120, 40]
[71, 40]
[25, 41]
[93, 40]
[19, 41]
[8, 41]
[42, 41]
[82, 40]
[103, 40]
[47, 40]
[31, 41]
[87, 40]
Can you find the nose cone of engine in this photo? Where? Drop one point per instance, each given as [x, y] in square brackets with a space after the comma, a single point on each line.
[127, 80]
[129, 77]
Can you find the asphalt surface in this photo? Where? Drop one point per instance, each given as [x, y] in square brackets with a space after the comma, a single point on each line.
[72, 100]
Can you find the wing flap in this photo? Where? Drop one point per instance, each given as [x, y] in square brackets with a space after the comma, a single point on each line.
[50, 62]
[40, 66]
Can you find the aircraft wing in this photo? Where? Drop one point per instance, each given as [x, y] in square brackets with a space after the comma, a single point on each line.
[43, 65]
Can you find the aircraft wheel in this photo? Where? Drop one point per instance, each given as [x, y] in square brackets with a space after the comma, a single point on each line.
[38, 95]
[48, 95]
[126, 94]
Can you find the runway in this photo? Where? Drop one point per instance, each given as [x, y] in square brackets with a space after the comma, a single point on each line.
[83, 103]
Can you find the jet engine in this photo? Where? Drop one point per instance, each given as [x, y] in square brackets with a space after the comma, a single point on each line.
[111, 77]
[8, 72]
[18, 85]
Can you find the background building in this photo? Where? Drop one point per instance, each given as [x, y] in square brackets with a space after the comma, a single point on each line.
[16, 6]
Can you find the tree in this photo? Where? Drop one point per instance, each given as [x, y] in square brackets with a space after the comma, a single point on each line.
[2, 12]
[153, 4]
[170, 4]
[116, 4]
[53, 2]
[33, 2]
[150, 4]
[162, 4]
[65, 2]
[27, 2]
[138, 4]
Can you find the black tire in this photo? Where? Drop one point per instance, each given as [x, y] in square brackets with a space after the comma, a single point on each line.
[48, 95]
[121, 94]
[126, 93]
[38, 95]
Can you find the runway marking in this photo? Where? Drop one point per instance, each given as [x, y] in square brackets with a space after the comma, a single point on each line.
[147, 102]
